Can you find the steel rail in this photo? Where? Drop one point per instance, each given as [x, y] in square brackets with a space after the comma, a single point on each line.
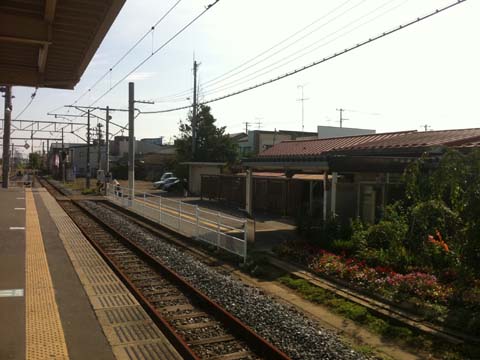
[259, 345]
[243, 331]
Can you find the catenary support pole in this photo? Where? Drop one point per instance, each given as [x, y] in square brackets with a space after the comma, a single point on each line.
[6, 135]
[131, 139]
[87, 179]
[99, 148]
[194, 110]
[12, 159]
[62, 158]
[107, 141]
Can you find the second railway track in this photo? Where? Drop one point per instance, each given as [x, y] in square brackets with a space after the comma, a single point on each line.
[226, 319]
[197, 327]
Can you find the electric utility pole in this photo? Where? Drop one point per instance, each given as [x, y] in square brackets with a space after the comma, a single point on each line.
[107, 141]
[99, 154]
[131, 139]
[87, 179]
[6, 135]
[247, 124]
[342, 119]
[194, 110]
[302, 99]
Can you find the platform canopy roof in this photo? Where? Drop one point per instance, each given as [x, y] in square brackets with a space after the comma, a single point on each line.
[49, 43]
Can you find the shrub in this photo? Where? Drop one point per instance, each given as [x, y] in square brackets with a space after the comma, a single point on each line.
[429, 217]
[390, 232]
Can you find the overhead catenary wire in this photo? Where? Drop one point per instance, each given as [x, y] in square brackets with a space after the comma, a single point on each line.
[109, 71]
[32, 97]
[296, 55]
[315, 63]
[207, 8]
[304, 51]
[186, 92]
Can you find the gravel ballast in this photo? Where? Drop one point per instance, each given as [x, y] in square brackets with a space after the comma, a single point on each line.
[285, 327]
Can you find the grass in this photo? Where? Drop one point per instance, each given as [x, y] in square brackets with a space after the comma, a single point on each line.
[380, 326]
[79, 185]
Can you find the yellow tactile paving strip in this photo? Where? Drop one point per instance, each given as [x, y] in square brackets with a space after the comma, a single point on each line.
[44, 333]
[128, 329]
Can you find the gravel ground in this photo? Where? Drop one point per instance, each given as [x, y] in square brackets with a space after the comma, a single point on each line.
[285, 327]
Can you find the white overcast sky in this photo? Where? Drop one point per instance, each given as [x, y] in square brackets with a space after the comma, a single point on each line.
[426, 74]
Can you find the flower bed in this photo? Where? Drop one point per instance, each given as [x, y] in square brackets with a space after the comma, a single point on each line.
[381, 280]
[417, 291]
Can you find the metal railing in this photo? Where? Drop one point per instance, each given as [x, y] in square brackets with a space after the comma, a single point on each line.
[212, 227]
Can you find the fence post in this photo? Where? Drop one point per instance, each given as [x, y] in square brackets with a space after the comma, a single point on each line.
[144, 204]
[218, 228]
[132, 198]
[179, 214]
[196, 215]
[245, 240]
[160, 209]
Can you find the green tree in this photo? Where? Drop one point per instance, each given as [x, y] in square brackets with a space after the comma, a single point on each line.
[34, 161]
[446, 197]
[212, 144]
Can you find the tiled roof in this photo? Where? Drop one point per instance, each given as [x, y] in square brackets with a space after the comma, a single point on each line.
[317, 147]
[395, 140]
[423, 139]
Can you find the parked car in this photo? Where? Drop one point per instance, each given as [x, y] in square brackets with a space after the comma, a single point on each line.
[159, 184]
[171, 184]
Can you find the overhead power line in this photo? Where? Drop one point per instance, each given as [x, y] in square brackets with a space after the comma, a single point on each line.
[151, 30]
[32, 97]
[302, 52]
[335, 55]
[182, 94]
[207, 8]
[285, 60]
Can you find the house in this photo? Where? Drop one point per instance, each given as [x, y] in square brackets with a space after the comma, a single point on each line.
[159, 162]
[326, 132]
[75, 159]
[354, 175]
[257, 141]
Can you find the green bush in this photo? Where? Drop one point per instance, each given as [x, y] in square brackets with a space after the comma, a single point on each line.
[386, 234]
[430, 216]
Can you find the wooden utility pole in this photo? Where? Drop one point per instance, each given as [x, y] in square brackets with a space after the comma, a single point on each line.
[131, 139]
[6, 135]
[87, 179]
[194, 110]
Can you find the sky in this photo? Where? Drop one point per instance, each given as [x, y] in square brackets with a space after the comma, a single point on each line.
[426, 74]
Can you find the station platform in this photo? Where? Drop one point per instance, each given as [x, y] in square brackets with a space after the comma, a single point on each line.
[58, 298]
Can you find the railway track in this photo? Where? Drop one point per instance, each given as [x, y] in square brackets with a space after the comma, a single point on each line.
[195, 325]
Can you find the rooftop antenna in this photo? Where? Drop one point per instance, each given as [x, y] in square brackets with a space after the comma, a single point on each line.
[258, 122]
